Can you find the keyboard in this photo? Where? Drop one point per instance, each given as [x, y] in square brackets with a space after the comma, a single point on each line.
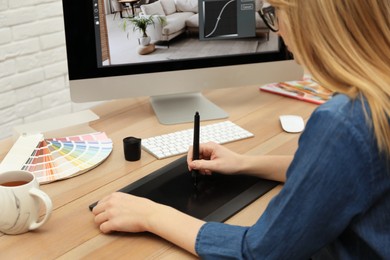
[176, 143]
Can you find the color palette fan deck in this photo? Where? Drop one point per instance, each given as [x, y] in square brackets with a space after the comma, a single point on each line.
[59, 158]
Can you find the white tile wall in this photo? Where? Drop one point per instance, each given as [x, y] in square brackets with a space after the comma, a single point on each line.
[33, 71]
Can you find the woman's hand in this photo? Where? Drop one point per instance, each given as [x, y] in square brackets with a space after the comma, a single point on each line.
[128, 213]
[123, 212]
[214, 157]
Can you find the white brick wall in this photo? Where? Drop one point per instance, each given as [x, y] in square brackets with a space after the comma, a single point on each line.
[33, 71]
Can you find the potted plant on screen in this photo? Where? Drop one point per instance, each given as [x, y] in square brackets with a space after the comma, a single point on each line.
[141, 23]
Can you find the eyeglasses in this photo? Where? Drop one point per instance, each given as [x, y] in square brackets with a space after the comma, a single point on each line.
[269, 17]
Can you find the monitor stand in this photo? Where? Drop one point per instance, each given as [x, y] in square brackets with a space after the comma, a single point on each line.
[181, 108]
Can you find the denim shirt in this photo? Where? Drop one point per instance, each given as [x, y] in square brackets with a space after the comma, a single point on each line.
[335, 203]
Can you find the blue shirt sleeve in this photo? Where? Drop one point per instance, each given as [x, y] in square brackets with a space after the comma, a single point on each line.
[327, 186]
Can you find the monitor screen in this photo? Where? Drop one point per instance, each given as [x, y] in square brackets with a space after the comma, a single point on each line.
[193, 45]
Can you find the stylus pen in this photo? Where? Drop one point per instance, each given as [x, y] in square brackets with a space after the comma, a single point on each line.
[195, 147]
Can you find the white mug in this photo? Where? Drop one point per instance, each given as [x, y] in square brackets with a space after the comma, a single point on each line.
[20, 199]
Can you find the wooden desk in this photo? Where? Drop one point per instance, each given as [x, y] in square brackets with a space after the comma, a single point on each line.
[71, 233]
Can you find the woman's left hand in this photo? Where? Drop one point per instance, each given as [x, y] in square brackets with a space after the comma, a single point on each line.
[123, 212]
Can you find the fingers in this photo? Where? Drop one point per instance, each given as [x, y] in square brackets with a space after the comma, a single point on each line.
[203, 166]
[189, 158]
[101, 215]
[101, 220]
[100, 206]
[104, 212]
[205, 152]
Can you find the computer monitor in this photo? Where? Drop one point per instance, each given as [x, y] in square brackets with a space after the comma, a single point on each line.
[104, 63]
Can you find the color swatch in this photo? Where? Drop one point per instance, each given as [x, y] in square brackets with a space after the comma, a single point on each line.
[59, 158]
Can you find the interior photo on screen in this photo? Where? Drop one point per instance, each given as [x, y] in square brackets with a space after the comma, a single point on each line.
[180, 29]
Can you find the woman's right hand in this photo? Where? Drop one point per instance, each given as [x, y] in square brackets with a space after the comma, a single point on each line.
[214, 157]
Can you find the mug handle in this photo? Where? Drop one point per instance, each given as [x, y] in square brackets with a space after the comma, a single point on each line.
[48, 205]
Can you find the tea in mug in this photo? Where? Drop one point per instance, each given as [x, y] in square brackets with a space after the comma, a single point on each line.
[13, 183]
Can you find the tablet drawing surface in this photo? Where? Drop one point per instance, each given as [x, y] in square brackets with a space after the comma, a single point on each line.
[216, 197]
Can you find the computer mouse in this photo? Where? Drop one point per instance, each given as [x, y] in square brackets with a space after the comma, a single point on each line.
[292, 123]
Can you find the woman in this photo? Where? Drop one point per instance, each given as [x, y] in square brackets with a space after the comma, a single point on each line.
[335, 202]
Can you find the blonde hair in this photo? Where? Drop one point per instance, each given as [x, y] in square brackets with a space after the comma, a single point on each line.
[346, 47]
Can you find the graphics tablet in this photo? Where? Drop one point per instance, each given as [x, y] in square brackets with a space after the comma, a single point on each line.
[216, 197]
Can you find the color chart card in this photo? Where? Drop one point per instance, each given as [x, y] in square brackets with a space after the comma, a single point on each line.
[59, 158]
